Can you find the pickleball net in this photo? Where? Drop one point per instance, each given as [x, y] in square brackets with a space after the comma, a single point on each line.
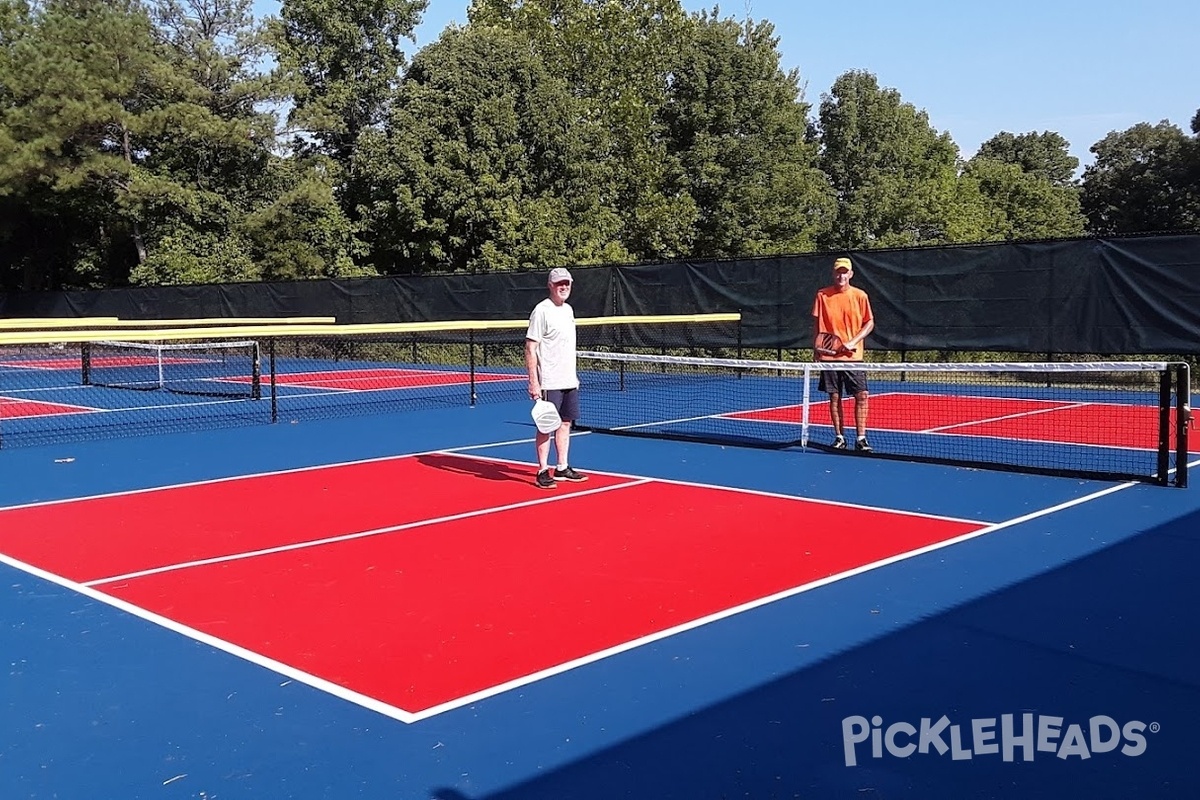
[1101, 420]
[202, 368]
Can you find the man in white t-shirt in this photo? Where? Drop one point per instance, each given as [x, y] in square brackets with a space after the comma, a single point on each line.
[550, 361]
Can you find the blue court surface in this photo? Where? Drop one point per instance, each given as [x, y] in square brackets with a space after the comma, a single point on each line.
[1048, 651]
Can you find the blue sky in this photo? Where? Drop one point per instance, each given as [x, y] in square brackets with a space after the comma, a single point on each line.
[1079, 68]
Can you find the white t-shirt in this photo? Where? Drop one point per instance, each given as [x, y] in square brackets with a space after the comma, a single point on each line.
[553, 328]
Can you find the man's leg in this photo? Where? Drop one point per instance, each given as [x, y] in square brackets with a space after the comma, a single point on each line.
[542, 444]
[860, 421]
[568, 407]
[835, 416]
[562, 443]
[835, 413]
[860, 413]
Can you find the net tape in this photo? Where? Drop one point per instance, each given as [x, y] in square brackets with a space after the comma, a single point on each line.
[152, 347]
[885, 366]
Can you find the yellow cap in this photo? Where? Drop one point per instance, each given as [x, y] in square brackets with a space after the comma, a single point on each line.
[842, 263]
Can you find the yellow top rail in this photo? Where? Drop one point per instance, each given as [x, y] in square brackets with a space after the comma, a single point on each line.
[38, 323]
[232, 332]
[89, 323]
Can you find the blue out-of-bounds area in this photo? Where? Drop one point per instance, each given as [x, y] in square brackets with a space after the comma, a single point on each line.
[1052, 656]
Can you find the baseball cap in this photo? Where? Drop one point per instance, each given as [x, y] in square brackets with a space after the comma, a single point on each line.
[841, 264]
[559, 274]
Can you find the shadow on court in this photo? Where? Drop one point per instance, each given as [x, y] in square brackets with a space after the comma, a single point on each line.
[477, 468]
[1111, 636]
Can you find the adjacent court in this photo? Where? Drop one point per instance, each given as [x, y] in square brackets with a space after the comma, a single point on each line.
[17, 408]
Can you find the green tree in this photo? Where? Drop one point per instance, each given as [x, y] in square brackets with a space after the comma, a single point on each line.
[1028, 183]
[215, 141]
[303, 232]
[616, 57]
[481, 166]
[1143, 180]
[895, 178]
[134, 141]
[77, 77]
[343, 59]
[1045, 155]
[737, 126]
[224, 130]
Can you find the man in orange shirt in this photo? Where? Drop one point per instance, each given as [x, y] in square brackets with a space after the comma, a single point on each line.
[845, 311]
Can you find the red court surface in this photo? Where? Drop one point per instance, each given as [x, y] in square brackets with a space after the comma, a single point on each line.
[423, 582]
[1099, 424]
[15, 408]
[387, 378]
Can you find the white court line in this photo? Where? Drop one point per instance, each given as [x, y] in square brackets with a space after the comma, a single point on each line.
[763, 493]
[72, 408]
[730, 612]
[945, 430]
[17, 368]
[631, 480]
[402, 715]
[33, 389]
[216, 643]
[346, 537]
[1017, 415]
[247, 476]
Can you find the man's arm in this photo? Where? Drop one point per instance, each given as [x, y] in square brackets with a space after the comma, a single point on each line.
[862, 334]
[531, 367]
[816, 318]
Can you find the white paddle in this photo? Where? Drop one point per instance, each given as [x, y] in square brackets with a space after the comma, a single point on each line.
[545, 416]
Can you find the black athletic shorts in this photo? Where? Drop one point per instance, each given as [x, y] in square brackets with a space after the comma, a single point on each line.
[566, 401]
[843, 381]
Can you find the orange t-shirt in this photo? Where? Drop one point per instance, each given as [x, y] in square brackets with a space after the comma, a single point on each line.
[844, 313]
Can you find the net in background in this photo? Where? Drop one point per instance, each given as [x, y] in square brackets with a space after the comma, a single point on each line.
[1105, 420]
[201, 368]
[58, 386]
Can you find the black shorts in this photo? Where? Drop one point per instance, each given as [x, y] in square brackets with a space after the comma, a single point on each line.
[566, 401]
[843, 381]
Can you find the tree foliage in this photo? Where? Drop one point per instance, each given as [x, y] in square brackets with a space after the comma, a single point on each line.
[737, 126]
[480, 166]
[343, 59]
[81, 81]
[894, 176]
[639, 133]
[1143, 180]
[616, 57]
[1043, 155]
[1028, 184]
[140, 129]
[140, 143]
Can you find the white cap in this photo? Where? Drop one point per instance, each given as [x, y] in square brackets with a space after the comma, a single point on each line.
[560, 274]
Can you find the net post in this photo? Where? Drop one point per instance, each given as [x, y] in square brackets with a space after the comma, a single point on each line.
[256, 374]
[805, 398]
[471, 348]
[85, 362]
[271, 366]
[1183, 418]
[1164, 426]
